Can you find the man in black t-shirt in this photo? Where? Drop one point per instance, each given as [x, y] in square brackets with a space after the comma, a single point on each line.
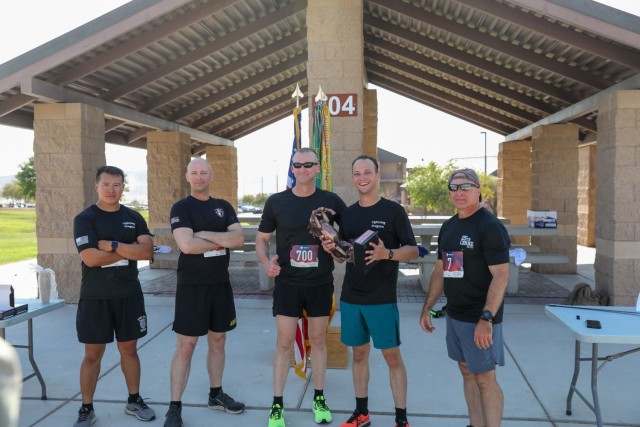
[368, 304]
[473, 271]
[110, 239]
[204, 229]
[303, 277]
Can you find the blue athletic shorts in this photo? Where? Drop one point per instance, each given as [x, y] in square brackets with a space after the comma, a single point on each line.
[461, 347]
[361, 323]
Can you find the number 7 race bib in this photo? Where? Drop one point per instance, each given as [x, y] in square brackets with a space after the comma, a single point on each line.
[452, 264]
[303, 256]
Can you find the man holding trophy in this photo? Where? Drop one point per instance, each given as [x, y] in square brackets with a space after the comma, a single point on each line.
[381, 235]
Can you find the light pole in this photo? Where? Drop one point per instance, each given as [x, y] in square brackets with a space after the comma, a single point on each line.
[276, 163]
[485, 152]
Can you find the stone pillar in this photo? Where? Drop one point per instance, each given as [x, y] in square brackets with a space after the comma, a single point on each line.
[618, 197]
[168, 154]
[335, 43]
[587, 195]
[514, 183]
[224, 161]
[554, 179]
[68, 150]
[370, 139]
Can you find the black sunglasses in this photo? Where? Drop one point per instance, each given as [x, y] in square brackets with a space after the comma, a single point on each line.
[307, 165]
[464, 187]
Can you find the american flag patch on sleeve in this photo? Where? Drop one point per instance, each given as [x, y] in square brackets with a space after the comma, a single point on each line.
[82, 240]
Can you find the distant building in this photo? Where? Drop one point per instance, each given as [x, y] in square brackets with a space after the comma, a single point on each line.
[393, 170]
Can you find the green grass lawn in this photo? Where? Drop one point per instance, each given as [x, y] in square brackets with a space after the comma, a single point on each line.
[18, 234]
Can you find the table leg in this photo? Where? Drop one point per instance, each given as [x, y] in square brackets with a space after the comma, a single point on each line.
[594, 383]
[36, 371]
[574, 380]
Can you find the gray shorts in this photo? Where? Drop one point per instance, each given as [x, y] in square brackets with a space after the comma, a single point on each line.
[461, 347]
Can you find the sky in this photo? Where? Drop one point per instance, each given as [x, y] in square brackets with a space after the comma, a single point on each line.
[412, 130]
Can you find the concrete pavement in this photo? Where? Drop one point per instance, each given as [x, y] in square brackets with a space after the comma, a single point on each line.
[535, 380]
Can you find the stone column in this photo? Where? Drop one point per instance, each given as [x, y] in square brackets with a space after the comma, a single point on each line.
[587, 195]
[335, 43]
[370, 113]
[514, 185]
[224, 161]
[68, 150]
[554, 179]
[618, 197]
[168, 154]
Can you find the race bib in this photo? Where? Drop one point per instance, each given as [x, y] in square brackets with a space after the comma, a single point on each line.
[452, 264]
[121, 263]
[304, 256]
[220, 251]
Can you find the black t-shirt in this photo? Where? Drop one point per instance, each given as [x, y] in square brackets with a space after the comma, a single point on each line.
[389, 219]
[302, 260]
[124, 225]
[210, 215]
[468, 247]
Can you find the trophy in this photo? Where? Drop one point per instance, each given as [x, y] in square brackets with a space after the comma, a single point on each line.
[319, 227]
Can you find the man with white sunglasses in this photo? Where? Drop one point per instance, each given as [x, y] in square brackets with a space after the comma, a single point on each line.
[473, 271]
[303, 276]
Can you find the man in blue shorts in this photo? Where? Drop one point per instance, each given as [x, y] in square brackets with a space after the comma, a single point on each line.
[110, 239]
[204, 229]
[473, 271]
[368, 304]
[303, 277]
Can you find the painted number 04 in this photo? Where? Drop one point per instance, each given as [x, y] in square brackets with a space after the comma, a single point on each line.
[343, 105]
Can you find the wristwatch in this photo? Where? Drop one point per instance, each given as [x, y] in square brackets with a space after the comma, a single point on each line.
[114, 245]
[487, 316]
[390, 254]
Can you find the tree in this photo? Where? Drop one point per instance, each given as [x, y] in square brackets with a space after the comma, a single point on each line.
[12, 191]
[27, 179]
[427, 187]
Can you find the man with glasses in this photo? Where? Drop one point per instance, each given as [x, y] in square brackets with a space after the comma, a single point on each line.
[368, 303]
[303, 276]
[473, 271]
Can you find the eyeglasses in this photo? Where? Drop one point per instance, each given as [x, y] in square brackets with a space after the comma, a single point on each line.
[464, 187]
[307, 165]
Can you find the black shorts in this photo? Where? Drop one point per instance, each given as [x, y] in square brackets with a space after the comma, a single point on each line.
[290, 300]
[204, 308]
[98, 319]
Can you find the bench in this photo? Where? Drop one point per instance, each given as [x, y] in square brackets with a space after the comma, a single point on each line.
[426, 264]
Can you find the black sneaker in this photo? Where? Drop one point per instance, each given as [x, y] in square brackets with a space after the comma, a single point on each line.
[224, 402]
[86, 417]
[173, 417]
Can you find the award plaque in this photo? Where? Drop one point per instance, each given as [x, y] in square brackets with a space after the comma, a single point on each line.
[360, 247]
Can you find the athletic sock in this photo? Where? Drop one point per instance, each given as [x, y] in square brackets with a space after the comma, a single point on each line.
[317, 393]
[401, 415]
[176, 403]
[278, 400]
[362, 405]
[133, 398]
[213, 392]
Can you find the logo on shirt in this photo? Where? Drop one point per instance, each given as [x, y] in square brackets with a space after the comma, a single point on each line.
[219, 212]
[129, 224]
[466, 241]
[175, 219]
[375, 224]
[142, 320]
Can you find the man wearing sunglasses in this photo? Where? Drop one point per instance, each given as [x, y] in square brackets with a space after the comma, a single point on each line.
[368, 304]
[303, 276]
[473, 271]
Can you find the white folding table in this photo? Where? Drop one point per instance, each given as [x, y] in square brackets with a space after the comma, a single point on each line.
[619, 325]
[36, 308]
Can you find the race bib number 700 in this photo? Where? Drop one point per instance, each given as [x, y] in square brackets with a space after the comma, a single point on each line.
[304, 256]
